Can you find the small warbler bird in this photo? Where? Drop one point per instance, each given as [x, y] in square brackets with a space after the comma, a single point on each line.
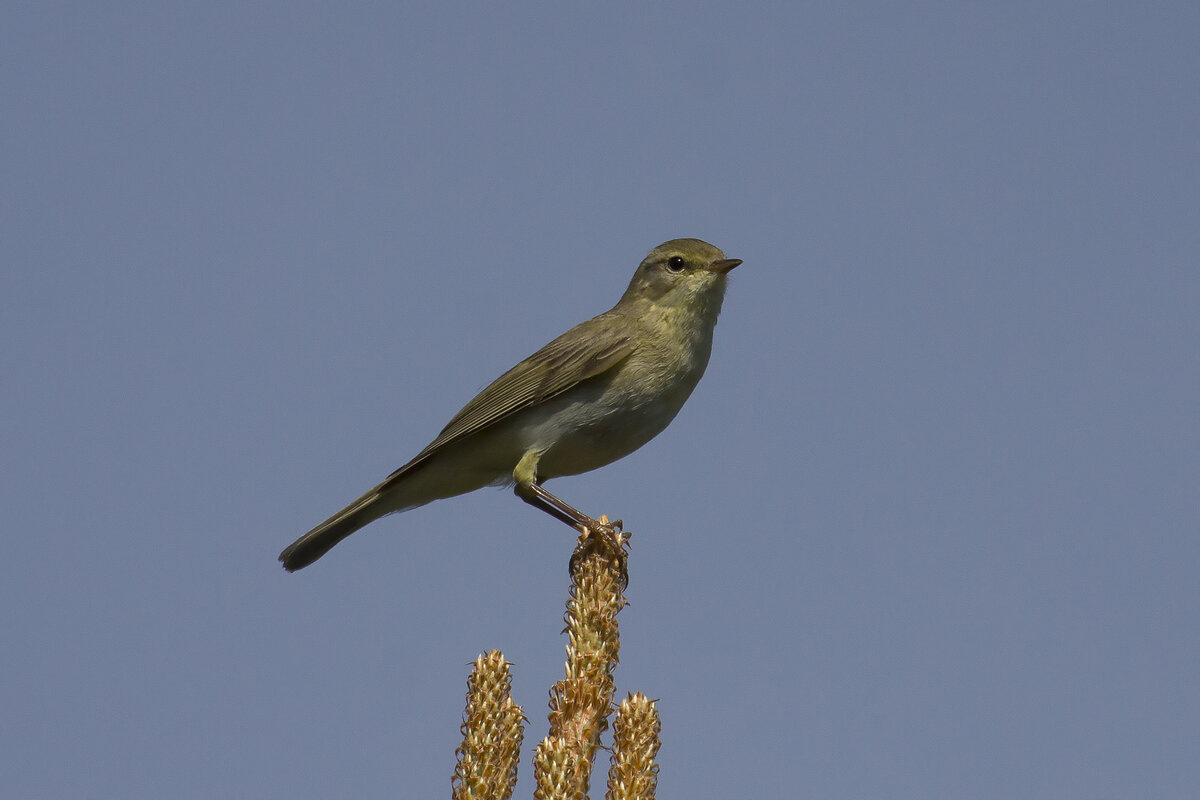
[593, 395]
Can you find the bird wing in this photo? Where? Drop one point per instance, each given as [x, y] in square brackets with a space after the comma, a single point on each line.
[585, 351]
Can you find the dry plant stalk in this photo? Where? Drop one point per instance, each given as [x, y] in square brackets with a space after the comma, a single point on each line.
[492, 733]
[633, 773]
[581, 702]
[556, 770]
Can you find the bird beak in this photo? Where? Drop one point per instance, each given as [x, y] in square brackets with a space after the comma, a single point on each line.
[724, 265]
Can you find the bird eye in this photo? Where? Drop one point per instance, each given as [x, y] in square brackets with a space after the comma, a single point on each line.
[675, 263]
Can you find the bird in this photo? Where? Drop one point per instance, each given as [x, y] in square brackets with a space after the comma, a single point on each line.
[591, 396]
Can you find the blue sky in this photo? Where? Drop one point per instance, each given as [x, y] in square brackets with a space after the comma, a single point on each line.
[928, 527]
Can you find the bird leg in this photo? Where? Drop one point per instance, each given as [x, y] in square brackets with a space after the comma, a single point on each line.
[539, 497]
[597, 536]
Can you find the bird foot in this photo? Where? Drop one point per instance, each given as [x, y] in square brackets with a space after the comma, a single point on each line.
[608, 541]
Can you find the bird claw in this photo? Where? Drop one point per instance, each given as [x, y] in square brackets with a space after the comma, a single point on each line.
[607, 540]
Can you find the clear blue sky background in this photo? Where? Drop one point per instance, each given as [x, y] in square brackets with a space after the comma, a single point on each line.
[928, 528]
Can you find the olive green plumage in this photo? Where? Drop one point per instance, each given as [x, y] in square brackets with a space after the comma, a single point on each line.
[593, 395]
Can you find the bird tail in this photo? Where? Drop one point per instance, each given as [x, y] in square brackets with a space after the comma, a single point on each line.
[317, 542]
